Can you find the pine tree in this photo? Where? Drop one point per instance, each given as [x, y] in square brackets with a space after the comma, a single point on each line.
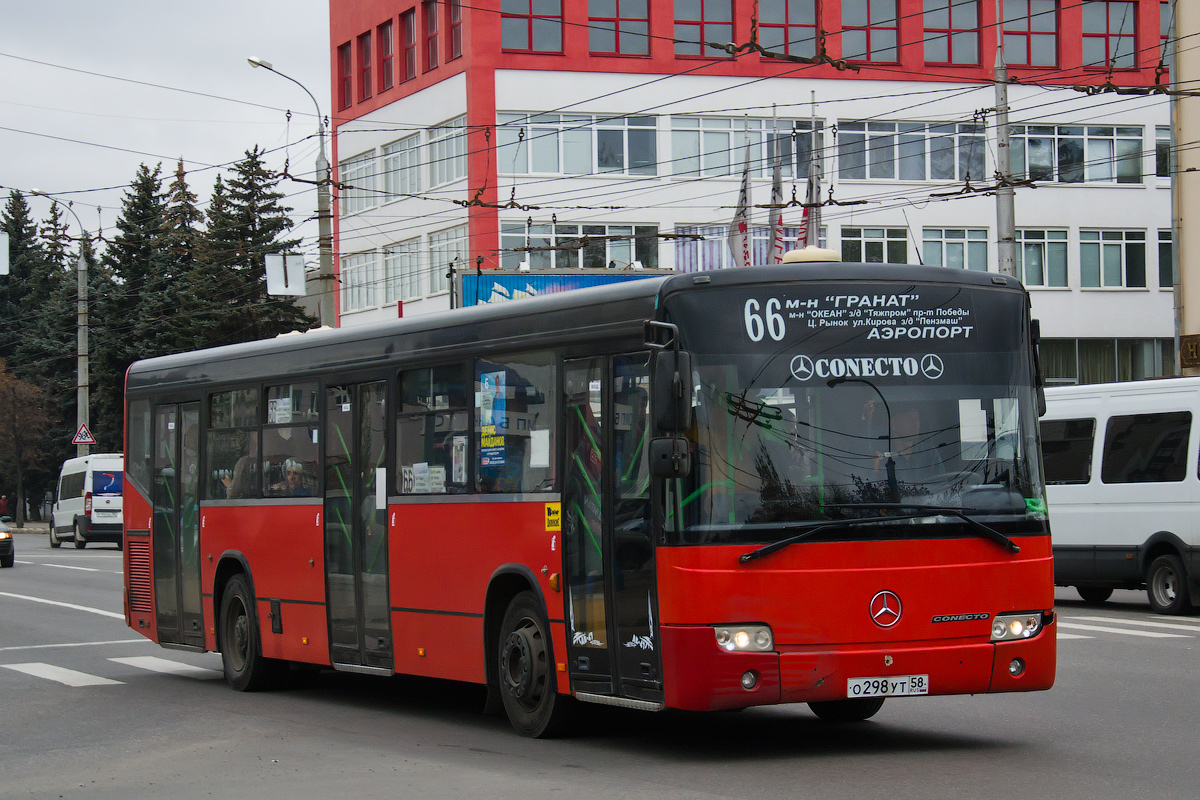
[25, 257]
[246, 222]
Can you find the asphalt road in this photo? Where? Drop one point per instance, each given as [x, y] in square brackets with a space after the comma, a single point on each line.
[150, 721]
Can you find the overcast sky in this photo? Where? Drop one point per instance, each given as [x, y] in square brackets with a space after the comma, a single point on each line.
[66, 132]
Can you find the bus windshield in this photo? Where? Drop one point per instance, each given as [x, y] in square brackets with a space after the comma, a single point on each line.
[825, 403]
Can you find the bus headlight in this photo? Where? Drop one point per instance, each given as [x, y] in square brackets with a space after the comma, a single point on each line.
[744, 638]
[1010, 627]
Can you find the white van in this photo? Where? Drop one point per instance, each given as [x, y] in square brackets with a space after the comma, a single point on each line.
[87, 503]
[1123, 490]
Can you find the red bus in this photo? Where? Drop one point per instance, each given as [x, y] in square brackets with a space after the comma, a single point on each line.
[805, 483]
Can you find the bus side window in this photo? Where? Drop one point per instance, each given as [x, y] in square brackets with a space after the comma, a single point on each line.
[232, 444]
[432, 431]
[516, 409]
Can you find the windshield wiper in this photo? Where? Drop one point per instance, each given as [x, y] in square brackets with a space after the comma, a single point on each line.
[766, 550]
[986, 531]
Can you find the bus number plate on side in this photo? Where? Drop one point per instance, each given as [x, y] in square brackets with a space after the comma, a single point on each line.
[891, 686]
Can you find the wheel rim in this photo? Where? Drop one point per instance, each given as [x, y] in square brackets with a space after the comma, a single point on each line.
[523, 664]
[237, 635]
[1165, 586]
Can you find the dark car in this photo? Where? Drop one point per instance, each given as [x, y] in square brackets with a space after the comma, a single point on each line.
[8, 553]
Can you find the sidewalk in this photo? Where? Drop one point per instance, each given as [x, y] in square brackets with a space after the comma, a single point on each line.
[40, 528]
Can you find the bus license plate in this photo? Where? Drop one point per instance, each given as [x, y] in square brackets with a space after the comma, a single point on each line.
[891, 686]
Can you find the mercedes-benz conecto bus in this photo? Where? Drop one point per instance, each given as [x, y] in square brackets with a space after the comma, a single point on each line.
[804, 483]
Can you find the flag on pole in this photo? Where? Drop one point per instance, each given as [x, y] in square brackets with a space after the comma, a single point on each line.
[812, 211]
[739, 230]
[777, 247]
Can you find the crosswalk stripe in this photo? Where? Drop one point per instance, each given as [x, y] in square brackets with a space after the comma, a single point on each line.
[1179, 626]
[1124, 631]
[168, 667]
[68, 677]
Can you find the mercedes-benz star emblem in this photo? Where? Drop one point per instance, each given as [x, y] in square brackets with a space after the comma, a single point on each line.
[932, 366]
[802, 368]
[885, 609]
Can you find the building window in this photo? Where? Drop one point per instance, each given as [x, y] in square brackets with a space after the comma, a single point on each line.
[911, 151]
[619, 27]
[1166, 261]
[402, 276]
[531, 25]
[402, 167]
[345, 76]
[1068, 361]
[447, 247]
[714, 146]
[429, 12]
[700, 21]
[952, 32]
[788, 26]
[357, 178]
[448, 152]
[408, 28]
[454, 26]
[358, 281]
[1112, 259]
[364, 66]
[1031, 33]
[574, 246]
[1074, 153]
[957, 248]
[875, 245]
[1042, 257]
[1162, 151]
[870, 30]
[699, 248]
[1109, 28]
[1164, 27]
[387, 66]
[576, 144]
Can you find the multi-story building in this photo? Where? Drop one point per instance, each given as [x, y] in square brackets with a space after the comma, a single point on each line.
[571, 134]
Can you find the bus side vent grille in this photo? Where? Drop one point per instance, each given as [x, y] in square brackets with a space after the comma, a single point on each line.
[141, 598]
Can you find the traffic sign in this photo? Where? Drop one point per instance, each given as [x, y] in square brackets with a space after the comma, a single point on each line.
[83, 436]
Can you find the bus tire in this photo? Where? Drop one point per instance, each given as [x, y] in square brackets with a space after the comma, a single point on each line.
[1094, 594]
[246, 669]
[855, 710]
[525, 663]
[1166, 585]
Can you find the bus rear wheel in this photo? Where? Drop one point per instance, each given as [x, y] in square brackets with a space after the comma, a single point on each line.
[1094, 594]
[246, 669]
[855, 710]
[526, 670]
[1166, 585]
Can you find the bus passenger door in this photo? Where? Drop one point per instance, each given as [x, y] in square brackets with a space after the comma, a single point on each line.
[608, 545]
[356, 552]
[176, 526]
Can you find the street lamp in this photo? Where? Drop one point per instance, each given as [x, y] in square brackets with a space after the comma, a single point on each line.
[81, 357]
[324, 226]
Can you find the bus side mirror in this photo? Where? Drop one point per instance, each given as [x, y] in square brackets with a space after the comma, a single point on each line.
[669, 457]
[1035, 340]
[672, 390]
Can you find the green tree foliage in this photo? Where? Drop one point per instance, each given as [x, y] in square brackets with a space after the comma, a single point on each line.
[24, 425]
[25, 258]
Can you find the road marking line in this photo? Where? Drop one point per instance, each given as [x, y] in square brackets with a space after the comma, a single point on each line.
[1179, 626]
[64, 566]
[168, 667]
[1062, 635]
[68, 677]
[99, 611]
[72, 644]
[1104, 629]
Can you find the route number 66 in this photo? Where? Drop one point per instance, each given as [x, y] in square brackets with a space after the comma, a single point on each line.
[755, 327]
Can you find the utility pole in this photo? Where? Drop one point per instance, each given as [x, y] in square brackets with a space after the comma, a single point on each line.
[1006, 215]
[325, 283]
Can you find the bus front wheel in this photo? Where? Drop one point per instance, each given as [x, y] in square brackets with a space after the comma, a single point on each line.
[855, 710]
[1166, 585]
[526, 669]
[246, 669]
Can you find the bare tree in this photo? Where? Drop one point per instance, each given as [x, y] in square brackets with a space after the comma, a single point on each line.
[24, 425]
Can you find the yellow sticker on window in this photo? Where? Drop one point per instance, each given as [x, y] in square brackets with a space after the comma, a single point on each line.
[553, 517]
